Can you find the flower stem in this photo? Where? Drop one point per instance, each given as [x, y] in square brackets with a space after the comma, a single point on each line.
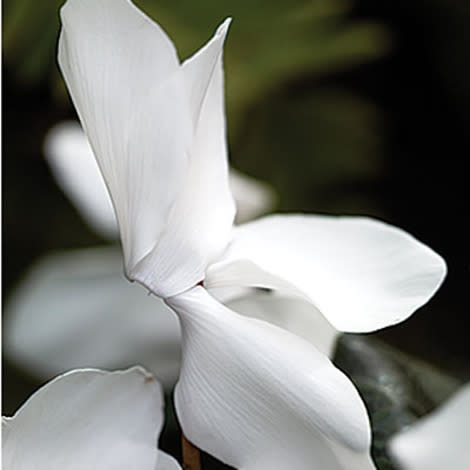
[191, 455]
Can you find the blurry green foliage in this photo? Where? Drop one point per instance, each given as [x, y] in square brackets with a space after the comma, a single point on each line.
[319, 149]
[270, 43]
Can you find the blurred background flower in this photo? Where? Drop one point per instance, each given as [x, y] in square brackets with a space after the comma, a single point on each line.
[439, 439]
[352, 107]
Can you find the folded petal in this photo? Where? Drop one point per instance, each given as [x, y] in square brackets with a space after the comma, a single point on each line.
[76, 309]
[258, 397]
[292, 314]
[123, 74]
[439, 440]
[87, 419]
[200, 221]
[75, 170]
[158, 132]
[360, 273]
[74, 167]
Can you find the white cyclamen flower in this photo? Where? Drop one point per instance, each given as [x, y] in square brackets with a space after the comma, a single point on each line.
[439, 440]
[79, 303]
[251, 394]
[89, 419]
[75, 309]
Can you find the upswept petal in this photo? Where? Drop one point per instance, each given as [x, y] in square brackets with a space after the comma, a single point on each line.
[258, 397]
[124, 77]
[292, 314]
[147, 116]
[362, 274]
[204, 79]
[200, 222]
[76, 309]
[87, 419]
[439, 440]
[75, 170]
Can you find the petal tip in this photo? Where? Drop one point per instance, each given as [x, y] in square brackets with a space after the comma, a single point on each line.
[223, 28]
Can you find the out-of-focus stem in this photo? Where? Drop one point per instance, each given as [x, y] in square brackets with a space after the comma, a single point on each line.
[191, 455]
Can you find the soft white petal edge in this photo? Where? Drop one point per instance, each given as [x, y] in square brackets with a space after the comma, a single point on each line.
[160, 122]
[439, 440]
[87, 419]
[292, 314]
[75, 170]
[362, 274]
[166, 462]
[124, 77]
[199, 224]
[79, 303]
[258, 397]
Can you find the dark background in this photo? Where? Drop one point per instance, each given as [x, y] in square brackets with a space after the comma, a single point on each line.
[413, 102]
[423, 88]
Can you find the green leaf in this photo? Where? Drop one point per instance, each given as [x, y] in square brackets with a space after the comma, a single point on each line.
[397, 388]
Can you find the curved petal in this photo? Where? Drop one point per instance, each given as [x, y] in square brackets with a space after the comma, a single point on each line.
[75, 170]
[200, 222]
[360, 273]
[257, 397]
[166, 462]
[87, 419]
[292, 314]
[252, 196]
[76, 309]
[158, 132]
[439, 440]
[123, 74]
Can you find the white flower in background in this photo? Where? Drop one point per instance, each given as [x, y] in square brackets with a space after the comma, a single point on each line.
[252, 197]
[75, 170]
[74, 167]
[75, 309]
[253, 395]
[89, 419]
[439, 440]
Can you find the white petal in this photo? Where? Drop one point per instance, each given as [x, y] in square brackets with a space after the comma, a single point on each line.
[439, 440]
[200, 222]
[257, 397]
[75, 170]
[204, 78]
[158, 132]
[87, 419]
[253, 197]
[74, 167]
[166, 462]
[360, 273]
[292, 314]
[124, 77]
[76, 309]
